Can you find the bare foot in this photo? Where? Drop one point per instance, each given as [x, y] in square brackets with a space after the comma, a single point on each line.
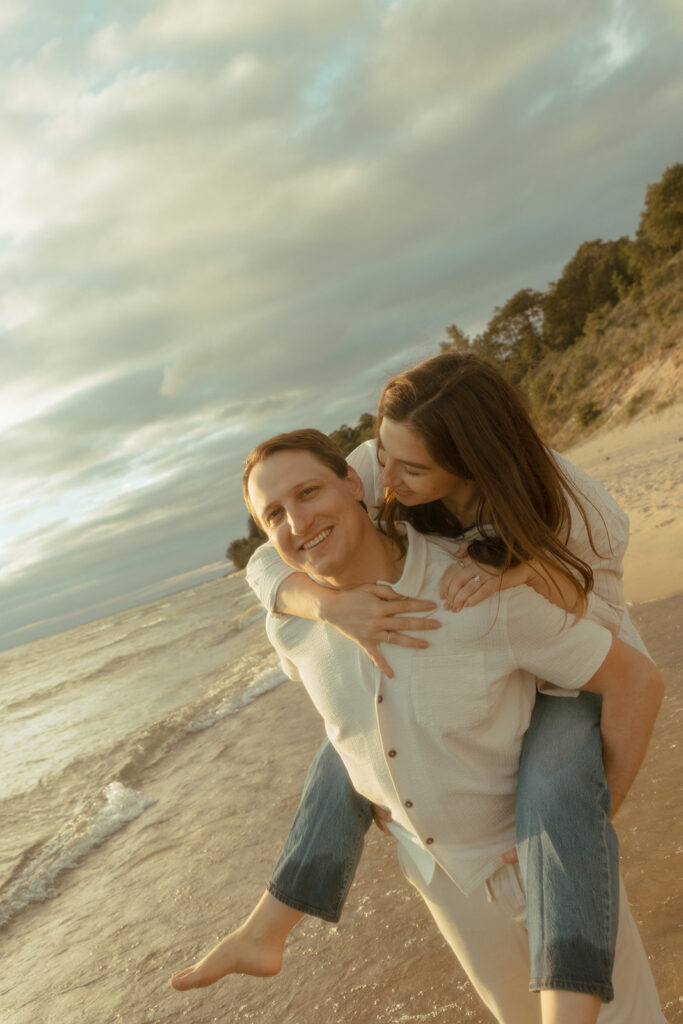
[255, 948]
[237, 953]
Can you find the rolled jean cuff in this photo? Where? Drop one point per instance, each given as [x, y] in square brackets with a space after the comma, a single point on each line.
[333, 916]
[321, 853]
[589, 988]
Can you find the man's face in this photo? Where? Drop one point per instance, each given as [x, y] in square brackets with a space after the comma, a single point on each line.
[313, 517]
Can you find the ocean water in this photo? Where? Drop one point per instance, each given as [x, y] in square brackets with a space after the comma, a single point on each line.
[85, 713]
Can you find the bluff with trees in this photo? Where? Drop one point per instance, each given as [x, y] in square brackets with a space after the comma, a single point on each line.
[573, 348]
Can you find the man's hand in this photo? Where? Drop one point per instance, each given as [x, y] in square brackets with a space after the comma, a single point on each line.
[381, 817]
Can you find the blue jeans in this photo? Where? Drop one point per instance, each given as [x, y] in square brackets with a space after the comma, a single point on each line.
[321, 853]
[567, 848]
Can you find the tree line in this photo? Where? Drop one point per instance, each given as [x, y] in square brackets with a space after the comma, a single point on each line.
[598, 276]
[532, 325]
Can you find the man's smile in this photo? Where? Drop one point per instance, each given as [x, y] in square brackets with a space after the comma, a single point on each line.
[318, 539]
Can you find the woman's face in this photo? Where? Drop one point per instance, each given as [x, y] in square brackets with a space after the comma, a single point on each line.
[409, 470]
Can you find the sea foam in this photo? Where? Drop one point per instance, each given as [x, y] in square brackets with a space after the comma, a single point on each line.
[35, 879]
[265, 681]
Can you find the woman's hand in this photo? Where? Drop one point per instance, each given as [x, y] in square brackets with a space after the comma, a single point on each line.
[375, 614]
[467, 582]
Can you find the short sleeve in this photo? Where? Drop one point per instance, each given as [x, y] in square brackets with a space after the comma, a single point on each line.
[609, 532]
[552, 644]
[364, 460]
[265, 573]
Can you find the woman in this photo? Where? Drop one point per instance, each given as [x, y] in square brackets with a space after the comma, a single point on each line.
[460, 458]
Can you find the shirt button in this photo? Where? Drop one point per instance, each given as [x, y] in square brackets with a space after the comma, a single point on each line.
[380, 699]
[409, 803]
[429, 841]
[392, 753]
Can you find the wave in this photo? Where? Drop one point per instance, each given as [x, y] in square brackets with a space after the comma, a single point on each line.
[33, 879]
[38, 867]
[203, 638]
[267, 680]
[115, 664]
[124, 634]
[130, 756]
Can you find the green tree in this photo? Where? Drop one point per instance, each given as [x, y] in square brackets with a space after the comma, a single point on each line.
[660, 232]
[348, 438]
[594, 278]
[458, 341]
[240, 551]
[514, 334]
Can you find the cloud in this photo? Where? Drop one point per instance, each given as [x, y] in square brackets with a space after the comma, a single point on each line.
[220, 220]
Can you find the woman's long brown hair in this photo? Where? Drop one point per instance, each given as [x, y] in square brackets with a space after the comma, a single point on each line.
[475, 425]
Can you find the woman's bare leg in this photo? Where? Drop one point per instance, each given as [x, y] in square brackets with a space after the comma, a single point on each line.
[562, 1007]
[255, 948]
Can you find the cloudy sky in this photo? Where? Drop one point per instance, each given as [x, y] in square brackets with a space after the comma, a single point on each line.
[220, 219]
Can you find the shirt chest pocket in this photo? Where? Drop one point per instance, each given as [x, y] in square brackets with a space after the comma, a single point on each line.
[449, 693]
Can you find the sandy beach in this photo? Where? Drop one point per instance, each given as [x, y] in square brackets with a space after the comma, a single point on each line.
[641, 464]
[103, 949]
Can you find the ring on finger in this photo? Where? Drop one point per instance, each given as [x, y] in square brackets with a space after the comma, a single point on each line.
[476, 579]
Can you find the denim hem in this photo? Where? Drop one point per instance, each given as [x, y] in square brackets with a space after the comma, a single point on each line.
[590, 988]
[304, 908]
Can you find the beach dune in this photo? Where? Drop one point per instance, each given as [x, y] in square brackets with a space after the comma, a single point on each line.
[641, 464]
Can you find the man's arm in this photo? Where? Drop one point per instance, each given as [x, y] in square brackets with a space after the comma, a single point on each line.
[631, 687]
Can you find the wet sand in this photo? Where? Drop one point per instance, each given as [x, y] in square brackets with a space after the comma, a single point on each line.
[163, 890]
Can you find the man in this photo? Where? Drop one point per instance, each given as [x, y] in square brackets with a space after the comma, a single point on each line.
[447, 731]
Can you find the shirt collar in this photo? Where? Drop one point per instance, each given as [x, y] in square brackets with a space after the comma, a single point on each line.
[415, 563]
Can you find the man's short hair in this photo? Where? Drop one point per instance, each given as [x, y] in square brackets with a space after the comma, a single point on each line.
[315, 442]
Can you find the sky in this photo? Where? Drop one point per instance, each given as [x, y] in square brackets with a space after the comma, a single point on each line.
[220, 220]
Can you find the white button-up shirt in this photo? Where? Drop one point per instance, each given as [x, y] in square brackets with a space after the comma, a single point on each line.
[439, 744]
